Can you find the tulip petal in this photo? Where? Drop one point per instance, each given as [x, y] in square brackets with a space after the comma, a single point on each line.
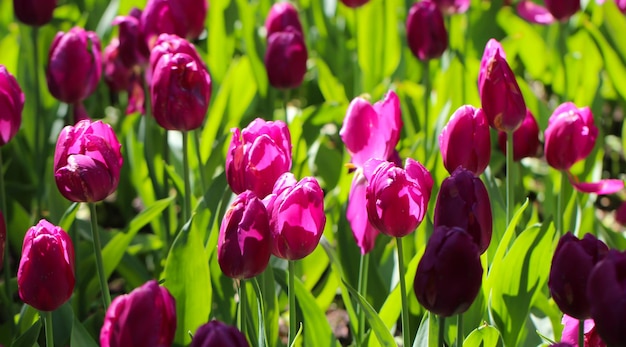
[362, 230]
[602, 187]
[534, 13]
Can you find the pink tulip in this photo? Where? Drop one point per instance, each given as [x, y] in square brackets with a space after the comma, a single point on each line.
[11, 104]
[570, 332]
[525, 139]
[282, 15]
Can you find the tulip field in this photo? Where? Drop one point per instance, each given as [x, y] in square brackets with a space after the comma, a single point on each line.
[312, 173]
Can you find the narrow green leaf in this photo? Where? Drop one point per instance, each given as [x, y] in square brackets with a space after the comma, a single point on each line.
[612, 62]
[80, 336]
[483, 336]
[68, 217]
[29, 338]
[329, 85]
[378, 326]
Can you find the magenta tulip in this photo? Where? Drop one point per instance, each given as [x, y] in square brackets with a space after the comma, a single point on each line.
[281, 16]
[465, 141]
[181, 90]
[45, 277]
[397, 198]
[117, 75]
[146, 317]
[133, 48]
[297, 219]
[218, 334]
[34, 12]
[285, 59]
[500, 95]
[257, 156]
[87, 161]
[525, 139]
[425, 31]
[562, 9]
[184, 18]
[11, 104]
[450, 7]
[74, 65]
[354, 3]
[570, 332]
[169, 43]
[244, 244]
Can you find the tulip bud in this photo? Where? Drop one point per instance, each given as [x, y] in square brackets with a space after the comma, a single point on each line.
[218, 334]
[500, 95]
[167, 43]
[525, 139]
[572, 263]
[3, 239]
[397, 198]
[569, 337]
[562, 9]
[116, 74]
[570, 136]
[465, 141]
[74, 65]
[132, 44]
[463, 202]
[146, 317]
[257, 156]
[87, 161]
[34, 12]
[605, 291]
[282, 15]
[244, 244]
[297, 219]
[181, 89]
[620, 214]
[285, 59]
[45, 277]
[354, 3]
[425, 31]
[184, 18]
[12, 104]
[449, 275]
[450, 7]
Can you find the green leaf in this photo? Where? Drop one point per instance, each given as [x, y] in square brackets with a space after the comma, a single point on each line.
[612, 62]
[29, 338]
[329, 85]
[80, 336]
[378, 326]
[483, 336]
[188, 279]
[68, 217]
[426, 335]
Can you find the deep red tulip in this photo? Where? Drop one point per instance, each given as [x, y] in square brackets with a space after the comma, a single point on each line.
[354, 3]
[282, 15]
[34, 12]
[184, 18]
[570, 136]
[146, 317]
[45, 277]
[11, 106]
[244, 244]
[116, 74]
[87, 161]
[285, 59]
[562, 9]
[525, 139]
[425, 30]
[218, 334]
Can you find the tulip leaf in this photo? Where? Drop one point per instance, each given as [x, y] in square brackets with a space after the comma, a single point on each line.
[426, 335]
[188, 279]
[29, 337]
[221, 43]
[378, 326]
[80, 336]
[329, 85]
[247, 11]
[612, 62]
[615, 25]
[483, 336]
[68, 217]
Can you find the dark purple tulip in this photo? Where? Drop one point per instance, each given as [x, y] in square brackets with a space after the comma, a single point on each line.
[244, 244]
[218, 334]
[620, 214]
[257, 156]
[285, 59]
[525, 139]
[572, 263]
[11, 104]
[117, 75]
[133, 47]
[450, 7]
[74, 65]
[146, 317]
[425, 31]
[465, 141]
[500, 95]
[45, 278]
[354, 3]
[463, 202]
[34, 12]
[397, 198]
[181, 90]
[282, 15]
[297, 219]
[184, 18]
[606, 291]
[562, 9]
[87, 161]
[449, 274]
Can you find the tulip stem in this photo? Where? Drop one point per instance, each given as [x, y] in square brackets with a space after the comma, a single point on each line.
[292, 302]
[243, 296]
[47, 319]
[426, 81]
[406, 332]
[363, 278]
[39, 144]
[558, 220]
[7, 265]
[459, 330]
[442, 327]
[581, 332]
[510, 194]
[563, 33]
[187, 198]
[104, 287]
[196, 134]
[285, 101]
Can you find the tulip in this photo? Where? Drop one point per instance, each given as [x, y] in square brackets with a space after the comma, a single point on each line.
[397, 198]
[11, 104]
[45, 277]
[354, 3]
[181, 90]
[525, 139]
[34, 12]
[184, 18]
[605, 290]
[465, 141]
[296, 216]
[244, 243]
[449, 274]
[132, 44]
[569, 336]
[146, 317]
[285, 59]
[87, 161]
[362, 144]
[500, 95]
[450, 7]
[570, 136]
[3, 239]
[562, 9]
[257, 156]
[281, 16]
[463, 202]
[218, 334]
[572, 263]
[620, 214]
[425, 30]
[116, 74]
[168, 43]
[74, 65]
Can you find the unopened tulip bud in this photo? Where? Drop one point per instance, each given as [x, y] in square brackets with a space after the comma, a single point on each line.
[525, 139]
[354, 3]
[184, 18]
[562, 9]
[425, 30]
[285, 59]
[116, 74]
[218, 334]
[132, 45]
[34, 12]
[12, 105]
[282, 15]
